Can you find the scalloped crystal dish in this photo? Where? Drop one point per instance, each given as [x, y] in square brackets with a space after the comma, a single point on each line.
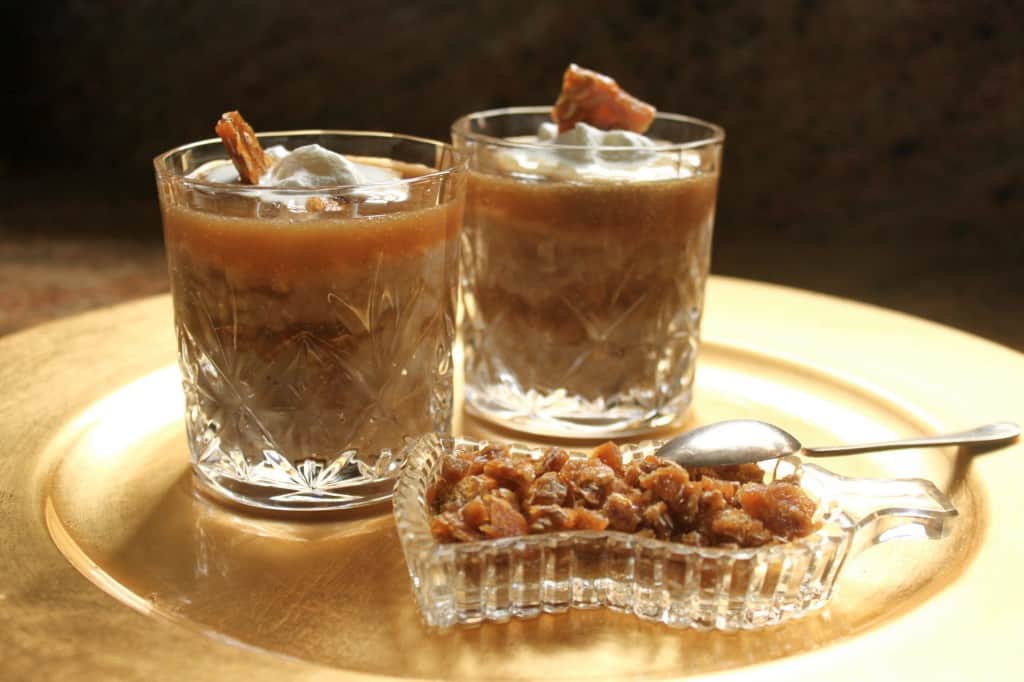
[679, 585]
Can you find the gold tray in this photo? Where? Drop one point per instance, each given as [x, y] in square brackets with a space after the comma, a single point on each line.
[111, 567]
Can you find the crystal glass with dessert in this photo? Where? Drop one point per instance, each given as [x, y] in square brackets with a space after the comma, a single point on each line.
[314, 278]
[586, 250]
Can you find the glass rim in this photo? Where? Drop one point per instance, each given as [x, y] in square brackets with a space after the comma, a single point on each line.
[460, 128]
[459, 162]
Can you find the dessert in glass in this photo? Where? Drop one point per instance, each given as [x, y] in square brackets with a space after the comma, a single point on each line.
[586, 250]
[314, 287]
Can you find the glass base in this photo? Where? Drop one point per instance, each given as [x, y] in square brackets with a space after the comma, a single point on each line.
[283, 497]
[561, 415]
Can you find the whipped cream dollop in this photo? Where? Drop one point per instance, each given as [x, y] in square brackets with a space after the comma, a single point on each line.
[587, 153]
[311, 167]
[591, 144]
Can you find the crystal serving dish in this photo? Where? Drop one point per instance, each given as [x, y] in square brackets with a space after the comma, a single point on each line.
[679, 585]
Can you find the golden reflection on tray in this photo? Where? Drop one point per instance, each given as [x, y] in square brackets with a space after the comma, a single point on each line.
[113, 491]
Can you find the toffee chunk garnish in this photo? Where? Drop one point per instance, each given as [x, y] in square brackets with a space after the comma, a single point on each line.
[492, 493]
[243, 147]
[596, 99]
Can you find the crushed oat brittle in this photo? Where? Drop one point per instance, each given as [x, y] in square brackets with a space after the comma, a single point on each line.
[597, 100]
[493, 493]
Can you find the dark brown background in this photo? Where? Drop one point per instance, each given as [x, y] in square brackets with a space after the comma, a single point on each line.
[875, 148]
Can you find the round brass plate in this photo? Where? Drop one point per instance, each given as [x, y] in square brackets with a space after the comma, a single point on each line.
[113, 567]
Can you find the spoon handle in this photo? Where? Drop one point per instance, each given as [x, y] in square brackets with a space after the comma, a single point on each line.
[989, 434]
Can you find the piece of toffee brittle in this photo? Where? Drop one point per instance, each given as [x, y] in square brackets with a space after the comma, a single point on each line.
[324, 204]
[250, 160]
[597, 100]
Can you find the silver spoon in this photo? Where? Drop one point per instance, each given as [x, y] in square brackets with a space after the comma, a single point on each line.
[740, 441]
